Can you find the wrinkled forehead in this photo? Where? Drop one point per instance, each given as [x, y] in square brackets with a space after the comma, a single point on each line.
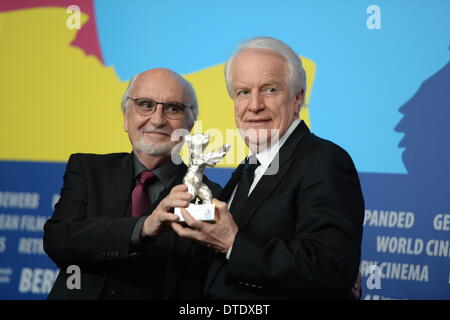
[252, 65]
[160, 86]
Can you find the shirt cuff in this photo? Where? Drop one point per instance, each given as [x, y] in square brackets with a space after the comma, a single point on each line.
[137, 241]
[228, 253]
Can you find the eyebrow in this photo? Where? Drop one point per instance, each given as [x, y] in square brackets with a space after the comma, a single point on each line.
[265, 84]
[273, 83]
[168, 101]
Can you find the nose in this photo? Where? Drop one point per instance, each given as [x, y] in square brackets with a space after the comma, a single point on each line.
[157, 118]
[256, 102]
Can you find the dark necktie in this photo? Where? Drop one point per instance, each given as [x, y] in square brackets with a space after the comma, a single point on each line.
[139, 196]
[245, 182]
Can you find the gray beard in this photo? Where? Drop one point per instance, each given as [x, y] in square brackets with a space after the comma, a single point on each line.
[160, 149]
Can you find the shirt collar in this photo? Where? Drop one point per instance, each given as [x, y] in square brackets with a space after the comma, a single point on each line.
[266, 156]
[166, 173]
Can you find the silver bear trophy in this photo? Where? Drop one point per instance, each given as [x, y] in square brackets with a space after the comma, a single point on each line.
[198, 161]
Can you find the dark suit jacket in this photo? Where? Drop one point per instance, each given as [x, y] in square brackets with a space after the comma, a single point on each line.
[299, 231]
[91, 227]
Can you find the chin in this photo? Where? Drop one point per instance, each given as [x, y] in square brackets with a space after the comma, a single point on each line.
[259, 135]
[154, 149]
[257, 144]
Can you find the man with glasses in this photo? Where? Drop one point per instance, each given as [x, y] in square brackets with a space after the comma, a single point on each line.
[113, 217]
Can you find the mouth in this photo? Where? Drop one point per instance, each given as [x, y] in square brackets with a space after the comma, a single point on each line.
[257, 122]
[156, 134]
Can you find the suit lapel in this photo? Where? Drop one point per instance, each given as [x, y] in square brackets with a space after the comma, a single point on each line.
[120, 183]
[262, 190]
[177, 246]
[225, 195]
[268, 183]
[231, 184]
[122, 175]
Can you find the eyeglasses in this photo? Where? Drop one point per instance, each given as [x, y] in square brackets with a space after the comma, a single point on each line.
[147, 107]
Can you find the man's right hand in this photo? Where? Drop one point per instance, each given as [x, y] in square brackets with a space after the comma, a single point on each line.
[162, 216]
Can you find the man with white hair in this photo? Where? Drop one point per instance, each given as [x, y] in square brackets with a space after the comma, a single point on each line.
[113, 217]
[289, 221]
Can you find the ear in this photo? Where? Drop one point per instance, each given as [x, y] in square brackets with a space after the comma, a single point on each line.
[299, 100]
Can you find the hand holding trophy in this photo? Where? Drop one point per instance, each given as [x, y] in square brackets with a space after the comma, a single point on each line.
[193, 179]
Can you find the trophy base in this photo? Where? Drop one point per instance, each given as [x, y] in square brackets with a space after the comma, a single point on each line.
[201, 212]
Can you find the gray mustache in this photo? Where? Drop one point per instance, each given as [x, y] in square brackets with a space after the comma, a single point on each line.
[156, 131]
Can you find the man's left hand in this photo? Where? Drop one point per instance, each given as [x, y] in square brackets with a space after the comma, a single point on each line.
[219, 235]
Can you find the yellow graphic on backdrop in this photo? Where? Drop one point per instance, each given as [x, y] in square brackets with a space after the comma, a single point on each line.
[56, 101]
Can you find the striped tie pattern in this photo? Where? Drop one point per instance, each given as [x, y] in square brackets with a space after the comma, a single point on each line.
[139, 196]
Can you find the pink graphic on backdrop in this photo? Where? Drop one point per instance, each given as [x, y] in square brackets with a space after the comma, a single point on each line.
[86, 39]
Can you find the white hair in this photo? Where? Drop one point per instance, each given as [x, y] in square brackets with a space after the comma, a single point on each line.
[296, 77]
[190, 93]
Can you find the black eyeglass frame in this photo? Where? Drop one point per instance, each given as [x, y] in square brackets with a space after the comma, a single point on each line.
[164, 104]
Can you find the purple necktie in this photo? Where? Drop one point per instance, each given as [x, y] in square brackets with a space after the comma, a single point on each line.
[139, 196]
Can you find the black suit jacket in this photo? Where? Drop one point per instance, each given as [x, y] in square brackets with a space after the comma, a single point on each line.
[299, 231]
[91, 227]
